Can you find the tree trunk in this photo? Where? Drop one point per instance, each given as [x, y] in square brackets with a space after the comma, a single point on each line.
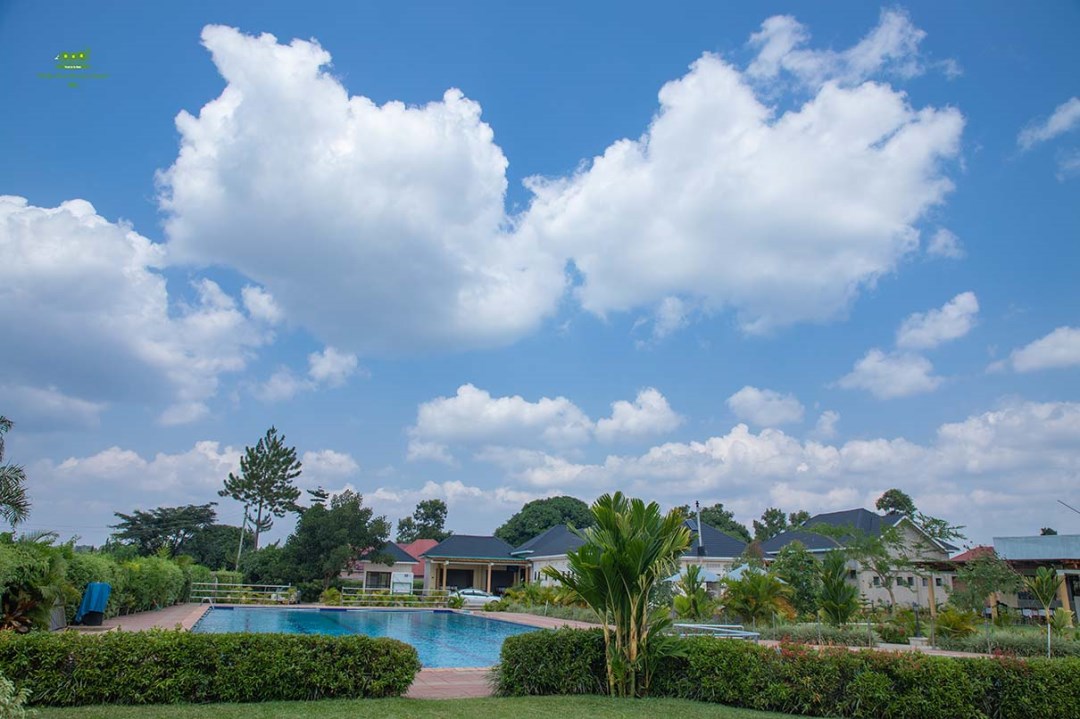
[258, 526]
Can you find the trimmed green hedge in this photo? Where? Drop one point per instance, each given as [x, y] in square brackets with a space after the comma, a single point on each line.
[562, 661]
[167, 667]
[802, 680]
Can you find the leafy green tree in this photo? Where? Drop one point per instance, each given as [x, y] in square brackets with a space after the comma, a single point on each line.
[163, 528]
[265, 484]
[757, 596]
[14, 504]
[266, 565]
[839, 599]
[1047, 532]
[981, 577]
[427, 522]
[894, 500]
[541, 515]
[798, 568]
[215, 546]
[797, 519]
[694, 602]
[328, 538]
[773, 522]
[718, 518]
[1044, 586]
[630, 549]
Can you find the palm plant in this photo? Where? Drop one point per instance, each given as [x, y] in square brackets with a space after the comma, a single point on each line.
[631, 548]
[32, 580]
[1044, 585]
[14, 505]
[839, 600]
[694, 603]
[757, 596]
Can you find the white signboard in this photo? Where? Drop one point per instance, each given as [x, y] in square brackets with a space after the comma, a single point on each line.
[401, 582]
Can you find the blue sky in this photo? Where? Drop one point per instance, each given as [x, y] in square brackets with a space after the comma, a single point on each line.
[779, 255]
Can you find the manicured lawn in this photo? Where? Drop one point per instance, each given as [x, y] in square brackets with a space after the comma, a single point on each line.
[519, 708]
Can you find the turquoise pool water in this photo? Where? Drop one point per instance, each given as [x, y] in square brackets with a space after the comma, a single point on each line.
[442, 639]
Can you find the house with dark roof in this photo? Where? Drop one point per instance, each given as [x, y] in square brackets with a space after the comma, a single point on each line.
[464, 561]
[710, 548]
[372, 571]
[927, 584]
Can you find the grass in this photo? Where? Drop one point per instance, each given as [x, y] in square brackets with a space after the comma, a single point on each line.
[519, 708]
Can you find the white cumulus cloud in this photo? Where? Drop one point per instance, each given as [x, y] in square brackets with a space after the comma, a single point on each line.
[1060, 348]
[765, 407]
[887, 376]
[378, 227]
[930, 329]
[85, 312]
[648, 414]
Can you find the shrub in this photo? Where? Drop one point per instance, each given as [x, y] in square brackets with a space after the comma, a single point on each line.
[161, 667]
[12, 700]
[455, 602]
[571, 612]
[892, 632]
[1011, 643]
[560, 661]
[1061, 621]
[818, 633]
[331, 597]
[953, 622]
[801, 680]
[151, 583]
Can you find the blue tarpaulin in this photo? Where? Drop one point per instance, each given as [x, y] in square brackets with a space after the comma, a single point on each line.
[94, 599]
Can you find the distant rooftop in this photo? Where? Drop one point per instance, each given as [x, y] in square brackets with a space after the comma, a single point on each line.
[470, 546]
[1054, 546]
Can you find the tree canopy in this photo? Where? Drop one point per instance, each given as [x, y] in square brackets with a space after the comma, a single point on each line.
[14, 504]
[328, 538]
[797, 567]
[894, 500]
[265, 483]
[719, 518]
[163, 528]
[428, 521]
[540, 515]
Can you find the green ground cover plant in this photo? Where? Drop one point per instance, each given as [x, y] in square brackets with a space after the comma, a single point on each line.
[163, 667]
[802, 680]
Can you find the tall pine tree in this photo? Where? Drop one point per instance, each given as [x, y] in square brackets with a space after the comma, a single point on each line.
[265, 484]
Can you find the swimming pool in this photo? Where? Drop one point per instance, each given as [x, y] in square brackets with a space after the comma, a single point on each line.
[441, 638]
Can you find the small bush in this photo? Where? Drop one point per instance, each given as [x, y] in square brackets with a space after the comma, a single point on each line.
[560, 661]
[160, 667]
[892, 633]
[957, 623]
[851, 635]
[331, 597]
[571, 612]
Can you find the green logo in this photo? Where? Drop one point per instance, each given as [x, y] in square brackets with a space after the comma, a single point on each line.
[72, 67]
[73, 60]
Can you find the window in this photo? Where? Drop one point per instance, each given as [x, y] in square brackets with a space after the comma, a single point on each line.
[378, 580]
[924, 581]
[877, 581]
[937, 581]
[852, 574]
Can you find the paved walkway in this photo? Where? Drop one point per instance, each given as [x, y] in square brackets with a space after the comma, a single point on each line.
[450, 684]
[183, 616]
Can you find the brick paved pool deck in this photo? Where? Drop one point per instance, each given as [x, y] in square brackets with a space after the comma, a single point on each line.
[430, 683]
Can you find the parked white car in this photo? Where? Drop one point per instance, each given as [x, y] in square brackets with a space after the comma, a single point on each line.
[475, 598]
